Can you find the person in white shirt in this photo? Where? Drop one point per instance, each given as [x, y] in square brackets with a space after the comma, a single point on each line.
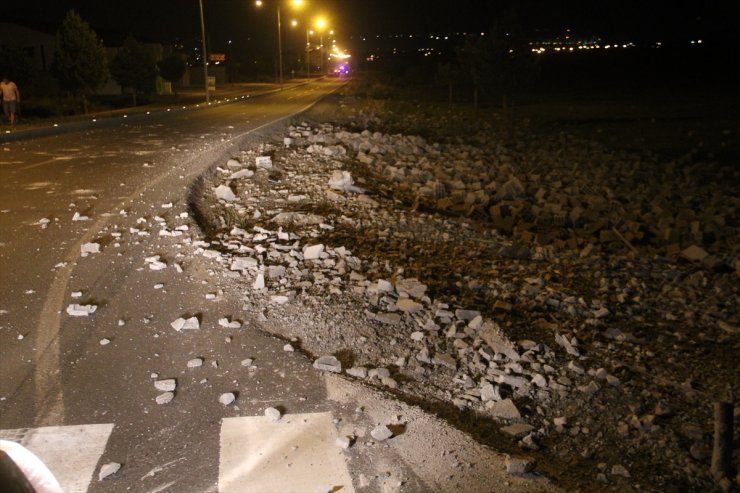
[11, 99]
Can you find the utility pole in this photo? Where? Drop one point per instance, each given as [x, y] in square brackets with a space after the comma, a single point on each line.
[308, 55]
[280, 49]
[205, 57]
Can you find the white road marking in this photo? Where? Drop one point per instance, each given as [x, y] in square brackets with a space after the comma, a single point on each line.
[296, 454]
[70, 452]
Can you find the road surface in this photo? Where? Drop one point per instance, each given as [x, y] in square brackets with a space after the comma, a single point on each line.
[64, 385]
[99, 255]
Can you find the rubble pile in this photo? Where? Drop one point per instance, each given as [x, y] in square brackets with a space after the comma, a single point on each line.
[565, 293]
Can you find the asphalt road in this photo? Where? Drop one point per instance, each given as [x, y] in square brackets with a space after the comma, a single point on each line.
[128, 179]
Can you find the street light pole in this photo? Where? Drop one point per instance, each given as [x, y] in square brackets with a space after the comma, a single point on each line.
[308, 54]
[205, 58]
[280, 50]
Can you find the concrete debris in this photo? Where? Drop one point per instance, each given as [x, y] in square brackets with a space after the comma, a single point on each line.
[563, 250]
[165, 398]
[489, 392]
[273, 414]
[567, 345]
[357, 372]
[226, 398]
[517, 466]
[88, 248]
[344, 442]
[328, 363]
[195, 363]
[619, 470]
[407, 305]
[244, 263]
[342, 180]
[492, 335]
[225, 193]
[381, 433]
[694, 254]
[108, 469]
[167, 385]
[504, 409]
[76, 310]
[313, 252]
[233, 324]
[154, 263]
[243, 173]
[181, 324]
[259, 282]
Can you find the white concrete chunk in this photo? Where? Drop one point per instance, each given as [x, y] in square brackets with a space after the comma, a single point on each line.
[227, 398]
[381, 433]
[328, 363]
[357, 372]
[243, 263]
[166, 385]
[263, 162]
[224, 192]
[165, 398]
[191, 323]
[259, 282]
[496, 340]
[108, 469]
[313, 252]
[195, 362]
[234, 324]
[273, 414]
[76, 310]
[505, 409]
[88, 248]
[343, 442]
[517, 466]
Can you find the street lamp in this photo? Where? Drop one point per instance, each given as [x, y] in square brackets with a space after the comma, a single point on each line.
[320, 26]
[295, 3]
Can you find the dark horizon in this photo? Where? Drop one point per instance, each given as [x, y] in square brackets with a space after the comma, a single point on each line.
[240, 22]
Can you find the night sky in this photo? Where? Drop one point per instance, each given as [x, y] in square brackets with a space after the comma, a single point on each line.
[240, 21]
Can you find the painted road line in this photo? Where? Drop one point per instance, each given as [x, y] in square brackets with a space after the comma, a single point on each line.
[298, 453]
[70, 452]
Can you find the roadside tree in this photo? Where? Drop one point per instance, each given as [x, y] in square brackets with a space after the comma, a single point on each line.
[133, 67]
[172, 68]
[80, 63]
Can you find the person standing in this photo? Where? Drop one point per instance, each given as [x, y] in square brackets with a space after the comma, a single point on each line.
[11, 99]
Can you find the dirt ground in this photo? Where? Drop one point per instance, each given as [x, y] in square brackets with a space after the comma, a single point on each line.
[610, 278]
